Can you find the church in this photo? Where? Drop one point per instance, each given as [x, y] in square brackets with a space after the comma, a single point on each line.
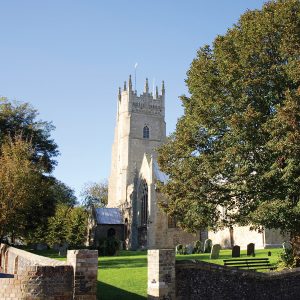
[133, 214]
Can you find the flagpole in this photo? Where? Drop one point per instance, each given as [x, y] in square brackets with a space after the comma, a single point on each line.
[135, 66]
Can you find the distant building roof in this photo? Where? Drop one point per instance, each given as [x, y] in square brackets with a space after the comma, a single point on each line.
[108, 216]
[161, 176]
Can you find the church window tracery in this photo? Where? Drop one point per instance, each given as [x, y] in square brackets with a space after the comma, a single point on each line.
[146, 132]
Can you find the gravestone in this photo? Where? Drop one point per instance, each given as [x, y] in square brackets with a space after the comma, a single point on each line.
[251, 249]
[41, 246]
[215, 251]
[179, 249]
[207, 246]
[286, 246]
[63, 250]
[189, 249]
[198, 247]
[236, 251]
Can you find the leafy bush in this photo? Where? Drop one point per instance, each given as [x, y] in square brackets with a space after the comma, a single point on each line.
[286, 260]
[108, 246]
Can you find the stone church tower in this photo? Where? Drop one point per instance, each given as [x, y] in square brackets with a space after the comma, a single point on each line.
[140, 128]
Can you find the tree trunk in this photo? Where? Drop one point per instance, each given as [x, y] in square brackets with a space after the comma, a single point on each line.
[295, 241]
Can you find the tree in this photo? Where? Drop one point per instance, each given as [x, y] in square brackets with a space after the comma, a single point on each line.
[95, 194]
[58, 225]
[234, 157]
[68, 225]
[23, 190]
[77, 227]
[61, 193]
[20, 119]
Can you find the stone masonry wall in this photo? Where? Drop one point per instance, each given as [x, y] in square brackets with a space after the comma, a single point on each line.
[161, 274]
[30, 276]
[196, 280]
[201, 280]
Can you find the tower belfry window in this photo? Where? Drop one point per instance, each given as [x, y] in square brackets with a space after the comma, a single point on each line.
[146, 132]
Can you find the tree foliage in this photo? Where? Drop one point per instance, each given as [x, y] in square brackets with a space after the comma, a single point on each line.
[20, 119]
[61, 193]
[234, 157]
[95, 194]
[68, 225]
[28, 195]
[24, 192]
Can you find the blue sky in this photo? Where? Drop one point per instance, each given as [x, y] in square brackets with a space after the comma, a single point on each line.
[68, 58]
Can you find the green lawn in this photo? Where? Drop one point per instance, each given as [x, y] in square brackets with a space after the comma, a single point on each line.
[124, 277]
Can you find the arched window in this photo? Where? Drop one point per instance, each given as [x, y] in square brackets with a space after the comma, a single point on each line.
[144, 202]
[111, 232]
[146, 132]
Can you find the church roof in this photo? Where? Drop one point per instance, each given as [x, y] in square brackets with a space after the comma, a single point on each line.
[108, 216]
[161, 176]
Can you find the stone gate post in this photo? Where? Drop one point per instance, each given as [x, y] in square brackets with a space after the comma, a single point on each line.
[161, 274]
[85, 265]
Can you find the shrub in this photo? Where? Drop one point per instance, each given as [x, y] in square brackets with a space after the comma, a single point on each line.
[108, 246]
[287, 260]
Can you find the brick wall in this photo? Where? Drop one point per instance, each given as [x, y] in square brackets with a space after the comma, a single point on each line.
[85, 267]
[37, 277]
[39, 282]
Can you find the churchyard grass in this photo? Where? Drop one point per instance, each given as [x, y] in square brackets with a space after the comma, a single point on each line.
[124, 276]
[226, 254]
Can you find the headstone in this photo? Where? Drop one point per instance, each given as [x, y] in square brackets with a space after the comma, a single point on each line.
[198, 247]
[207, 246]
[236, 251]
[179, 249]
[286, 246]
[215, 251]
[251, 249]
[55, 247]
[189, 249]
[63, 250]
[41, 246]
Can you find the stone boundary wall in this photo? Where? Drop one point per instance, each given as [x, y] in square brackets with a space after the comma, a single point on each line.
[201, 280]
[37, 277]
[195, 280]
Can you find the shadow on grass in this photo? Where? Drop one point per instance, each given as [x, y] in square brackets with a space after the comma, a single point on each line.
[109, 292]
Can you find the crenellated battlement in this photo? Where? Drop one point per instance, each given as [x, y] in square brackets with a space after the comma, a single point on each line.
[147, 102]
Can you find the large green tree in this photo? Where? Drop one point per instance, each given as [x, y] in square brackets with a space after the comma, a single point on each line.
[28, 194]
[68, 225]
[95, 194]
[21, 119]
[235, 156]
[24, 192]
